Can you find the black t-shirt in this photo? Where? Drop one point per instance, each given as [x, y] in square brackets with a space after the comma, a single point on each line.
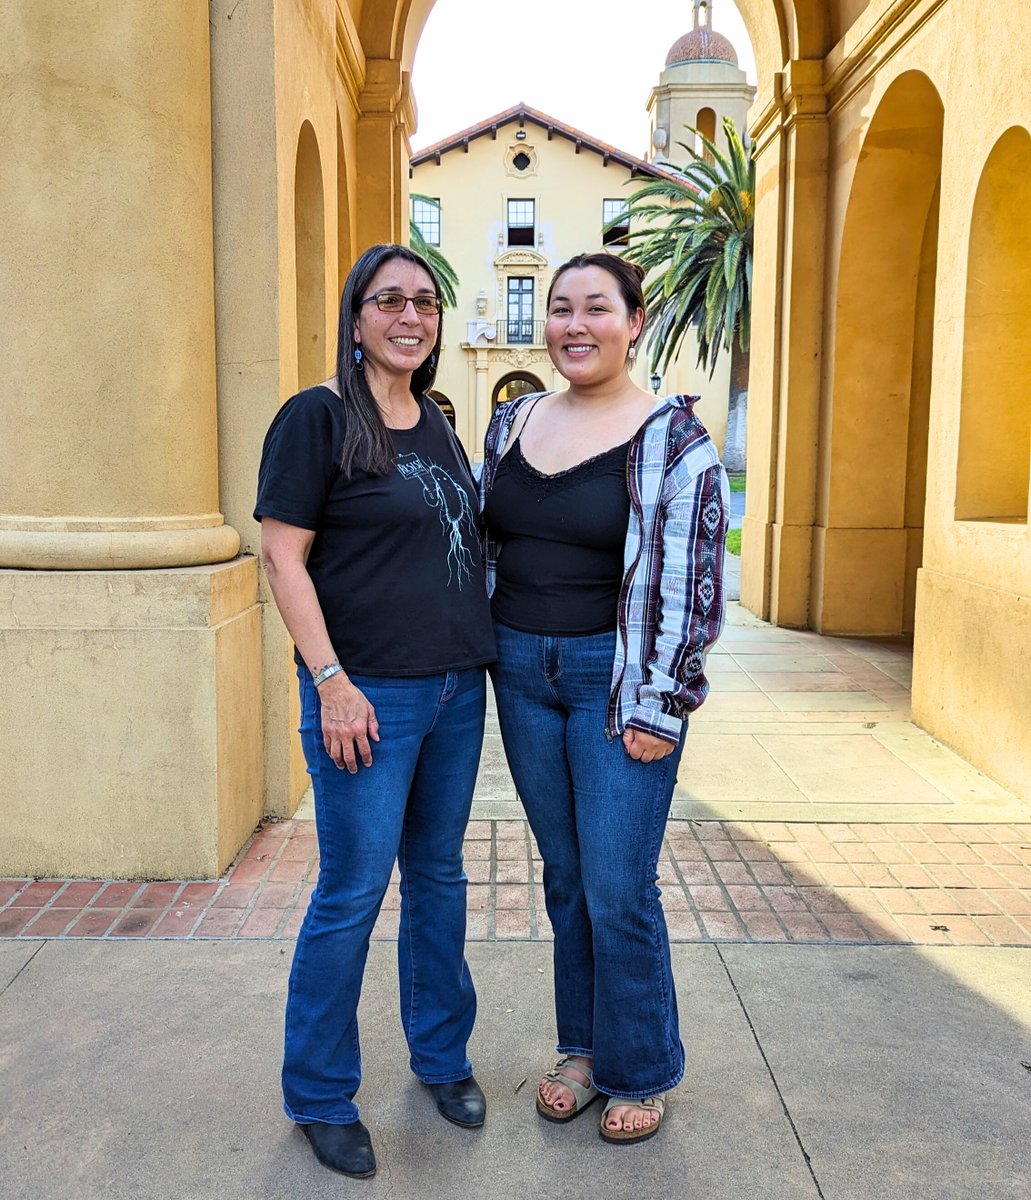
[395, 561]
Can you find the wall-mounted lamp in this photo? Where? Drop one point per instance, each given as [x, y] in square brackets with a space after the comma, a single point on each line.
[656, 382]
[520, 135]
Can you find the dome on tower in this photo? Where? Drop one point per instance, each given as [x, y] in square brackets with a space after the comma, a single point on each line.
[701, 44]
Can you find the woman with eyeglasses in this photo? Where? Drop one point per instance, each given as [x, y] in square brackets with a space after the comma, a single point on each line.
[369, 541]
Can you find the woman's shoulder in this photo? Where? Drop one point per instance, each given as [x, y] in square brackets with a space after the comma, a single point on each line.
[318, 404]
[686, 441]
[505, 416]
[321, 396]
[312, 417]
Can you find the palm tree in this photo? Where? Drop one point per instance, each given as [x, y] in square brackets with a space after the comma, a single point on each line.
[696, 244]
[444, 271]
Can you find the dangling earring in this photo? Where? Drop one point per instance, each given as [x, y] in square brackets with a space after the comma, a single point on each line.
[631, 354]
[358, 364]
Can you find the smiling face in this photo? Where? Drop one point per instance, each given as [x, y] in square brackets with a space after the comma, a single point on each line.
[589, 329]
[394, 344]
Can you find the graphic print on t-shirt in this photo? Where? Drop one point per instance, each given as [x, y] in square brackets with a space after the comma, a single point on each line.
[441, 492]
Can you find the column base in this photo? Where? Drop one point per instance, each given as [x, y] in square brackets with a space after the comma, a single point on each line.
[130, 720]
[103, 544]
[858, 582]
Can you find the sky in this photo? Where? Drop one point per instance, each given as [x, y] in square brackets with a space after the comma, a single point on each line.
[592, 64]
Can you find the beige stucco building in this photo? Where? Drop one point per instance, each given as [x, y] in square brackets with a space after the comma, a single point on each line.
[182, 186]
[520, 192]
[517, 194]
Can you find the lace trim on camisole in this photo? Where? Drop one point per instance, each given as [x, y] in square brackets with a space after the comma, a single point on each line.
[581, 472]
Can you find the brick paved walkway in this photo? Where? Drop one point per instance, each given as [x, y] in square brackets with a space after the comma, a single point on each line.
[721, 881]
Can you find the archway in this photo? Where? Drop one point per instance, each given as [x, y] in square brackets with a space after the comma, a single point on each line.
[873, 438]
[310, 258]
[445, 406]
[992, 476]
[515, 383]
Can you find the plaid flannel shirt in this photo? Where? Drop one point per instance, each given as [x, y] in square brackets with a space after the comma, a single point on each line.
[671, 603]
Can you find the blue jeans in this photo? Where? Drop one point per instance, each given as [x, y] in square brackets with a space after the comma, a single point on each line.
[411, 805]
[599, 818]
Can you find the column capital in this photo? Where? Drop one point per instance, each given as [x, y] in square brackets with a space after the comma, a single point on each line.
[799, 96]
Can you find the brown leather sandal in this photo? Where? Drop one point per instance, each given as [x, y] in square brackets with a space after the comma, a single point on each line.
[625, 1136]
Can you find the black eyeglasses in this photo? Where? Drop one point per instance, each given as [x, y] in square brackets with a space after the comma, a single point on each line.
[394, 302]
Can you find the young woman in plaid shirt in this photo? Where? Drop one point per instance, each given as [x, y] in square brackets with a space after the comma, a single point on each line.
[604, 518]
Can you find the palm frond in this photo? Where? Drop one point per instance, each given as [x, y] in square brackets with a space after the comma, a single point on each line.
[693, 237]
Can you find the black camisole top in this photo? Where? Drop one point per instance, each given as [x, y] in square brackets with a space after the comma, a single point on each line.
[561, 538]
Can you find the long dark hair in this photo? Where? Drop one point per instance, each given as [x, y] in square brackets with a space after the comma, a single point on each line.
[368, 445]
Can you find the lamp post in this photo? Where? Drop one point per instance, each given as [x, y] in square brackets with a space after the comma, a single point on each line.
[656, 382]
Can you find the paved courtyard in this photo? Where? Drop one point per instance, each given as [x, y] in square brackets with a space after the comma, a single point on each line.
[850, 906]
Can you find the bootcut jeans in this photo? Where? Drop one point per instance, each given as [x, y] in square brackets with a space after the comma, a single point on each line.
[599, 818]
[412, 805]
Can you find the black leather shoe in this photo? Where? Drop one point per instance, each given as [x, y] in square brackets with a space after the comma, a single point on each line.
[462, 1103]
[343, 1148]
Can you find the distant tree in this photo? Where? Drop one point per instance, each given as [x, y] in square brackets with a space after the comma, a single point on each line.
[444, 271]
[693, 235]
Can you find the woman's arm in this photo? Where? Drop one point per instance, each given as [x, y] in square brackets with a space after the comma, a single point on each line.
[688, 608]
[348, 719]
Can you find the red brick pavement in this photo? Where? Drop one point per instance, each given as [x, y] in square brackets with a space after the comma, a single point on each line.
[769, 881]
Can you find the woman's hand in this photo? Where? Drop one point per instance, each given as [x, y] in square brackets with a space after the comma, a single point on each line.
[348, 721]
[646, 747]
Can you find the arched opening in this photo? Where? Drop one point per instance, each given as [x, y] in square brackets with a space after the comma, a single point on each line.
[994, 468]
[310, 257]
[445, 406]
[343, 214]
[873, 438]
[515, 383]
[705, 123]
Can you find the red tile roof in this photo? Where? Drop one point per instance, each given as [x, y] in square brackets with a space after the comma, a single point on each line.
[523, 113]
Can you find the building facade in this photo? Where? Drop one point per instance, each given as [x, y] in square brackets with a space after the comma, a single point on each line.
[182, 187]
[513, 197]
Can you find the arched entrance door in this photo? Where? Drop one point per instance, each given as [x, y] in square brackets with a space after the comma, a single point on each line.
[445, 406]
[515, 383]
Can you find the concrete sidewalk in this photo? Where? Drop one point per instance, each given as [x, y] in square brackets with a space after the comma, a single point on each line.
[148, 1071]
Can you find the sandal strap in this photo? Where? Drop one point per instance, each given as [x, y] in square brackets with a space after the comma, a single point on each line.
[652, 1104]
[581, 1094]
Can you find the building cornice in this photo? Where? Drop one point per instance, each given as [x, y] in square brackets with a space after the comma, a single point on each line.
[350, 57]
[523, 115]
[798, 98]
[810, 89]
[871, 42]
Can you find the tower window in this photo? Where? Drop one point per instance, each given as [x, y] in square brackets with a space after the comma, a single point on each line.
[521, 161]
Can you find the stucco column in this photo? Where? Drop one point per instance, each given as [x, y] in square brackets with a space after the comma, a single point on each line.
[482, 398]
[130, 720]
[108, 453]
[790, 136]
[382, 156]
